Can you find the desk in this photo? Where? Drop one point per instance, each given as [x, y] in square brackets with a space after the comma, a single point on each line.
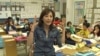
[66, 49]
[2, 32]
[10, 47]
[71, 50]
[19, 27]
[6, 37]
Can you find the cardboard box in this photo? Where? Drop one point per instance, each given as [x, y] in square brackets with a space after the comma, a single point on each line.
[10, 47]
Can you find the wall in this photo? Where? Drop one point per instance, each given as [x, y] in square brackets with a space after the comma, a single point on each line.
[32, 7]
[70, 13]
[70, 10]
[31, 10]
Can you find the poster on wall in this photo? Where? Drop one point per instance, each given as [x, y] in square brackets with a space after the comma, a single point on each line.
[79, 10]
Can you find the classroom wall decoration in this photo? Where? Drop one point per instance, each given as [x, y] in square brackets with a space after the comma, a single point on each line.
[79, 10]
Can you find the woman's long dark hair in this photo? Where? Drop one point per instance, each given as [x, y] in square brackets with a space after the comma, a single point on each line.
[98, 26]
[43, 13]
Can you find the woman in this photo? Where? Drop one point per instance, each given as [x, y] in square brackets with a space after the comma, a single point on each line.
[45, 35]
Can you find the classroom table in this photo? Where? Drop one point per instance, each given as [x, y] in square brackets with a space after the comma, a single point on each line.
[72, 50]
[2, 32]
[19, 27]
[6, 37]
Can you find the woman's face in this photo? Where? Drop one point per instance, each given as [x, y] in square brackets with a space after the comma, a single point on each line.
[47, 19]
[96, 30]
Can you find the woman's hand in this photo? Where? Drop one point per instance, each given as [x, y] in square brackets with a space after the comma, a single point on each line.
[34, 24]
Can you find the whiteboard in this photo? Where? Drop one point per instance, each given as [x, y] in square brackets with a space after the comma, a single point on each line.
[31, 10]
[29, 15]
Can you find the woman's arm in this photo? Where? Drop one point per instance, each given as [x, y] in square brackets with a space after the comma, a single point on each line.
[30, 38]
[58, 39]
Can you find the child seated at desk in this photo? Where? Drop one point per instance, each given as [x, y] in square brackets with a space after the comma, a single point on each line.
[68, 39]
[10, 26]
[84, 32]
[96, 33]
[94, 37]
[70, 27]
[26, 27]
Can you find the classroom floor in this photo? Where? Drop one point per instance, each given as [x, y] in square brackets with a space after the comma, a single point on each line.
[20, 50]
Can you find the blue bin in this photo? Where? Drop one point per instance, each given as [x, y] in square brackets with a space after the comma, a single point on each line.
[59, 54]
[1, 43]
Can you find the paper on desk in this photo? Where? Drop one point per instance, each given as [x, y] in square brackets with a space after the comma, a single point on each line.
[12, 32]
[80, 45]
[73, 35]
[9, 40]
[92, 40]
[56, 48]
[95, 49]
[6, 36]
[24, 34]
[63, 47]
[98, 53]
[21, 26]
[76, 38]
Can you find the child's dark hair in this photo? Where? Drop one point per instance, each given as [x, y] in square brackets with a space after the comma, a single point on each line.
[86, 24]
[69, 22]
[84, 16]
[56, 18]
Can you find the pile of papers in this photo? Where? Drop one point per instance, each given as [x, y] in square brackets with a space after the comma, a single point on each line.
[64, 47]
